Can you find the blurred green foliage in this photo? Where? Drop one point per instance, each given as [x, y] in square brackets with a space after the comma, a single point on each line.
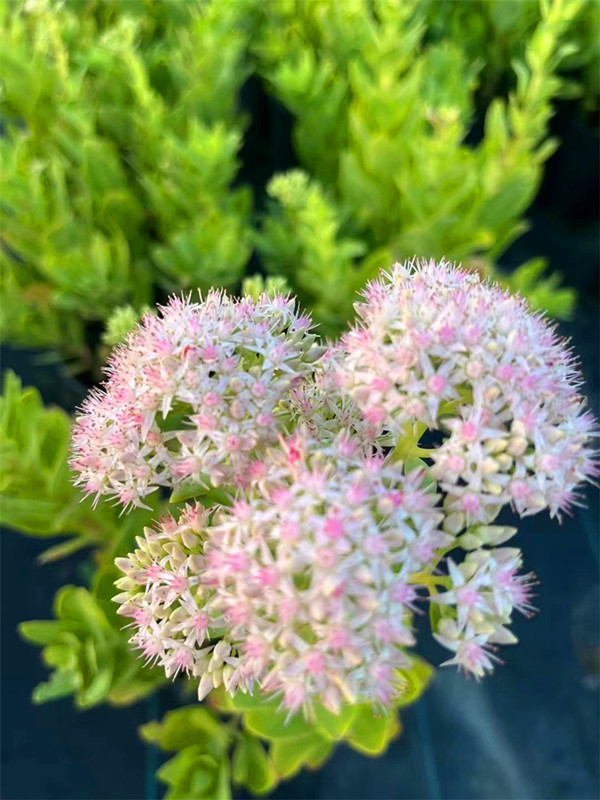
[121, 137]
[120, 145]
[384, 114]
[85, 645]
[90, 658]
[257, 746]
[498, 33]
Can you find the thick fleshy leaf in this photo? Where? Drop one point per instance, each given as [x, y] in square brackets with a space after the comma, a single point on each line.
[371, 732]
[60, 684]
[334, 726]
[270, 724]
[251, 766]
[290, 755]
[40, 632]
[189, 726]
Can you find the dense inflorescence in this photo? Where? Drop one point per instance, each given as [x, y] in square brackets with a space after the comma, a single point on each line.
[313, 572]
[191, 396]
[435, 345]
[337, 521]
[319, 406]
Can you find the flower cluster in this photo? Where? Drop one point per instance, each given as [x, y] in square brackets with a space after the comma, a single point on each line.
[192, 396]
[314, 572]
[485, 589]
[310, 576]
[318, 405]
[437, 346]
[163, 592]
[336, 518]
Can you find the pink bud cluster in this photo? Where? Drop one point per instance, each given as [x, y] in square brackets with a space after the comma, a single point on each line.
[313, 572]
[318, 405]
[485, 589]
[192, 396]
[437, 346]
[304, 580]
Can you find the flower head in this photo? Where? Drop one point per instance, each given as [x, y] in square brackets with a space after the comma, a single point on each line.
[335, 517]
[322, 407]
[438, 346]
[311, 572]
[304, 582]
[485, 589]
[191, 396]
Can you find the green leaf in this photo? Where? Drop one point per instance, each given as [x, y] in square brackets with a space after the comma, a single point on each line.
[76, 604]
[193, 775]
[290, 755]
[202, 492]
[184, 727]
[60, 656]
[271, 724]
[178, 769]
[334, 726]
[370, 732]
[60, 684]
[414, 680]
[40, 631]
[63, 549]
[244, 701]
[100, 685]
[251, 766]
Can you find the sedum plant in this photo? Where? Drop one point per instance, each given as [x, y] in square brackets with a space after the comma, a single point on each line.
[121, 134]
[310, 515]
[84, 645]
[499, 32]
[384, 114]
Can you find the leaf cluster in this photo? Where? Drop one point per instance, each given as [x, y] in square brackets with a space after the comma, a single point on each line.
[84, 645]
[119, 150]
[384, 114]
[121, 133]
[258, 746]
[90, 658]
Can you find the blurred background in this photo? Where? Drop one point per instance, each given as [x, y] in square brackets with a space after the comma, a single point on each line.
[149, 147]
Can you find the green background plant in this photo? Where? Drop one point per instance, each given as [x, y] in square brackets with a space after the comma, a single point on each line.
[120, 149]
[123, 131]
[383, 110]
[257, 746]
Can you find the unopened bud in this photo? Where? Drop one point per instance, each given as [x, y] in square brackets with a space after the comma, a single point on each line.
[505, 461]
[489, 466]
[494, 446]
[518, 428]
[454, 522]
[205, 686]
[469, 541]
[517, 446]
[495, 534]
[493, 488]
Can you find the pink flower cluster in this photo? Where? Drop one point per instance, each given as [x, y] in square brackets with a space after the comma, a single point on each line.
[435, 345]
[319, 406]
[192, 396]
[313, 572]
[310, 575]
[485, 589]
[304, 581]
